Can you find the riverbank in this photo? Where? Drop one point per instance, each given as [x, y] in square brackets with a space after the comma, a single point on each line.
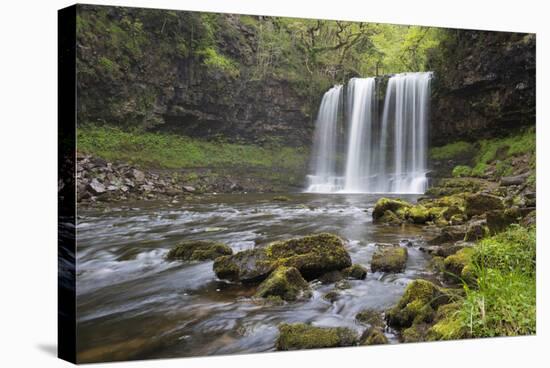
[115, 165]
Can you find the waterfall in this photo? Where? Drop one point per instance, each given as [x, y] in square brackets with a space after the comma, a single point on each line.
[384, 154]
[361, 143]
[324, 154]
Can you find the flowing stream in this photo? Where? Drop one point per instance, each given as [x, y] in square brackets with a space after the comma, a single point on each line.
[386, 152]
[133, 304]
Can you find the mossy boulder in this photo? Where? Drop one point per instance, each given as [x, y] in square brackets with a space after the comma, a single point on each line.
[389, 259]
[455, 264]
[419, 214]
[388, 204]
[416, 333]
[303, 336]
[499, 220]
[281, 199]
[448, 324]
[312, 255]
[481, 203]
[355, 271]
[417, 304]
[449, 234]
[332, 296]
[370, 317]
[476, 230]
[198, 250]
[286, 283]
[390, 218]
[373, 336]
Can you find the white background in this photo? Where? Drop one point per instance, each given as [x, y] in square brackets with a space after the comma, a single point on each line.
[28, 246]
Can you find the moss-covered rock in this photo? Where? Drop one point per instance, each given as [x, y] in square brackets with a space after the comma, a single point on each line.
[286, 283]
[480, 203]
[448, 325]
[455, 264]
[198, 250]
[281, 199]
[417, 304]
[476, 230]
[419, 214]
[370, 317]
[302, 336]
[499, 220]
[355, 271]
[388, 204]
[416, 333]
[449, 234]
[373, 336]
[389, 259]
[390, 218]
[312, 255]
[332, 296]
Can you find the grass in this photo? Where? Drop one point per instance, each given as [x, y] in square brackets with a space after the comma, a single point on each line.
[170, 151]
[502, 302]
[452, 150]
[485, 152]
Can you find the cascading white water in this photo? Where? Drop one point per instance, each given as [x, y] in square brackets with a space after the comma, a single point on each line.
[361, 143]
[383, 155]
[405, 121]
[324, 178]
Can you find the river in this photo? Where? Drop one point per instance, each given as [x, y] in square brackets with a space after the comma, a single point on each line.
[133, 304]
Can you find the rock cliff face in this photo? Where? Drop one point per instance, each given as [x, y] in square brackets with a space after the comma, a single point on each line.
[484, 86]
[162, 71]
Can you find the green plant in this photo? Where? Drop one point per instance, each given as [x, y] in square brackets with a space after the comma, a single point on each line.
[452, 150]
[461, 171]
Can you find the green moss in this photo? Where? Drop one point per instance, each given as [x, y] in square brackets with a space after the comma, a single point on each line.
[388, 204]
[454, 264]
[212, 59]
[302, 336]
[312, 255]
[355, 271]
[461, 171]
[374, 336]
[198, 250]
[158, 150]
[389, 259]
[480, 203]
[479, 170]
[370, 317]
[281, 199]
[452, 150]
[417, 304]
[284, 282]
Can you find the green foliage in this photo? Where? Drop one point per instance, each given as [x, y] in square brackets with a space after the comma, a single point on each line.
[511, 251]
[214, 60]
[461, 171]
[173, 151]
[502, 301]
[503, 304]
[452, 150]
[514, 145]
[479, 169]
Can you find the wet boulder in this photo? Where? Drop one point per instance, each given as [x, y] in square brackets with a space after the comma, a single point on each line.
[417, 304]
[198, 250]
[312, 255]
[355, 271]
[449, 234]
[373, 336]
[370, 318]
[396, 206]
[476, 230]
[458, 266]
[389, 259]
[480, 203]
[303, 336]
[286, 283]
[499, 220]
